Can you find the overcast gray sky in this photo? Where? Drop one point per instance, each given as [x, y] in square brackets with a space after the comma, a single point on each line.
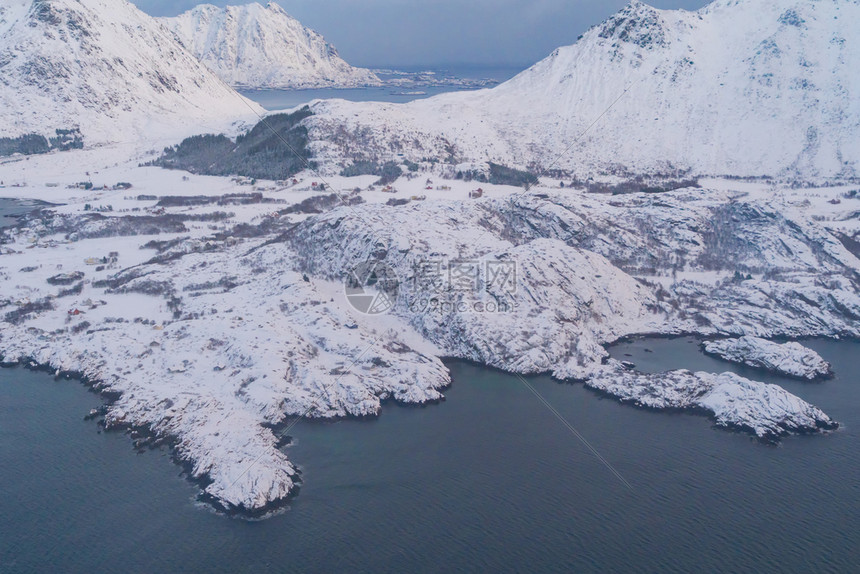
[441, 32]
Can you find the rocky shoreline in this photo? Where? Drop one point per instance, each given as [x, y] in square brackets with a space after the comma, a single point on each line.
[238, 321]
[145, 437]
[615, 382]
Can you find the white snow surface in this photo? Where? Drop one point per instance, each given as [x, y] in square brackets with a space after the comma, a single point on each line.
[768, 411]
[216, 321]
[256, 46]
[105, 67]
[792, 359]
[209, 331]
[740, 87]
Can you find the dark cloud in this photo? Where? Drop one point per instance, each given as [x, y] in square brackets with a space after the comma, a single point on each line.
[413, 32]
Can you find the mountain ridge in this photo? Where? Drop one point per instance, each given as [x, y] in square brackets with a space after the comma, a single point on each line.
[256, 46]
[107, 69]
[736, 88]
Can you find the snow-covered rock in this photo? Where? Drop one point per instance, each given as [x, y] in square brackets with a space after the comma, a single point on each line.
[233, 359]
[740, 87]
[721, 263]
[555, 315]
[792, 359]
[257, 46]
[225, 318]
[768, 411]
[105, 67]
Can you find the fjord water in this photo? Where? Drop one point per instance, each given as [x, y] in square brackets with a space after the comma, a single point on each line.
[9, 208]
[487, 480]
[286, 99]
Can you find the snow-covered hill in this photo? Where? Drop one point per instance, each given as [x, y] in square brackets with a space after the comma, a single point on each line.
[219, 314]
[740, 87]
[264, 47]
[105, 67]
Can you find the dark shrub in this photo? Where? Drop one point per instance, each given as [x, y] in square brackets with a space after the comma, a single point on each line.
[276, 148]
[501, 175]
[361, 167]
[82, 326]
[27, 144]
[23, 312]
[65, 278]
[387, 172]
[30, 144]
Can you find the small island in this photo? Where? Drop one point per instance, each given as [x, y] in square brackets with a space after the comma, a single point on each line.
[731, 401]
[790, 359]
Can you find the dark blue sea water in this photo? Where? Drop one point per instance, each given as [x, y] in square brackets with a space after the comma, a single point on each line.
[285, 99]
[10, 207]
[486, 481]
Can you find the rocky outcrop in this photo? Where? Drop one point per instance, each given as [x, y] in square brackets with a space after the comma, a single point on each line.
[227, 326]
[767, 411]
[791, 359]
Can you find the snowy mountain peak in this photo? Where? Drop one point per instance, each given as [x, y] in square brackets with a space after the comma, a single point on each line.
[264, 47]
[790, 18]
[275, 7]
[105, 67]
[740, 87]
[638, 23]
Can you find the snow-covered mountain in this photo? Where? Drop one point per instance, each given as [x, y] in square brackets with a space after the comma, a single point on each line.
[264, 47]
[107, 68]
[740, 87]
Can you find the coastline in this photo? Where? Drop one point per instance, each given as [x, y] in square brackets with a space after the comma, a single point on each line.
[217, 326]
[143, 436]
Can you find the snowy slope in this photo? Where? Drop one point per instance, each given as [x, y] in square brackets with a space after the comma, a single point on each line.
[740, 87]
[106, 67]
[264, 47]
